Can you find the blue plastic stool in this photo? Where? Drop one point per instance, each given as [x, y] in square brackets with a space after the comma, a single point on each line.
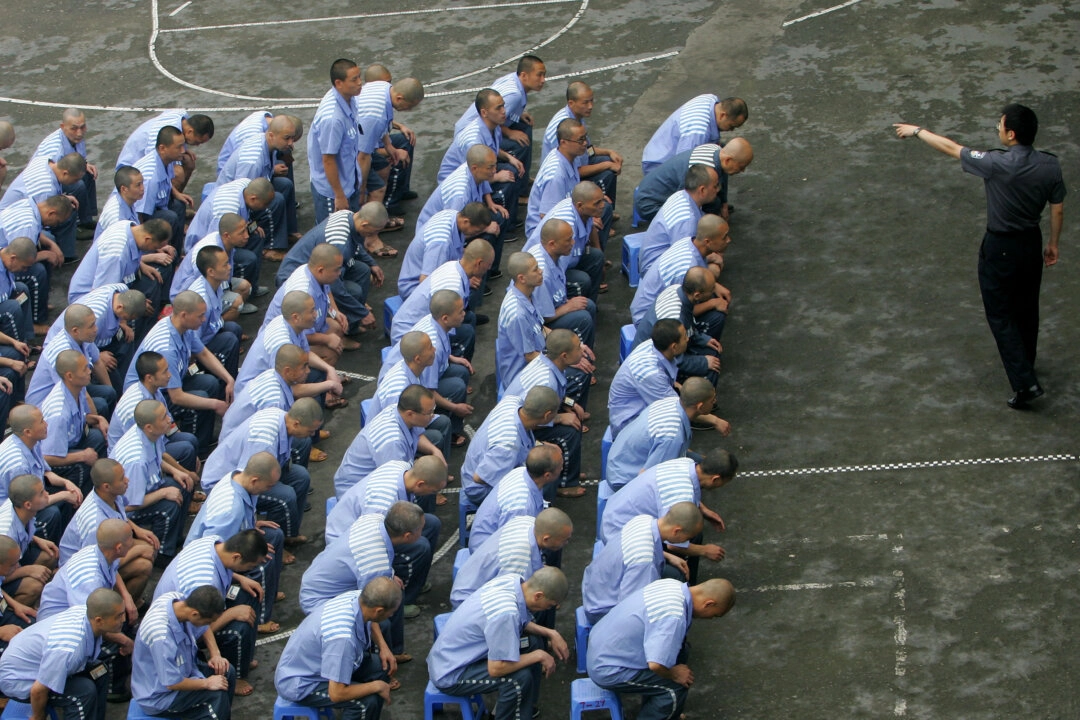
[285, 709]
[631, 246]
[330, 503]
[605, 446]
[16, 710]
[626, 341]
[603, 492]
[465, 508]
[440, 622]
[135, 712]
[390, 306]
[365, 410]
[459, 562]
[596, 548]
[635, 219]
[582, 628]
[383, 353]
[586, 695]
[471, 707]
[207, 189]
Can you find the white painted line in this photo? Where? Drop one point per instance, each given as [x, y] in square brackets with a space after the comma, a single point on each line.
[819, 13]
[298, 103]
[810, 586]
[356, 376]
[177, 10]
[446, 547]
[914, 465]
[363, 16]
[274, 638]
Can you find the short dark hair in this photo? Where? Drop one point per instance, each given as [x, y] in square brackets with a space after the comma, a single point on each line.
[696, 176]
[527, 63]
[720, 462]
[207, 601]
[411, 398]
[167, 136]
[340, 68]
[484, 97]
[249, 543]
[665, 333]
[477, 214]
[125, 175]
[735, 108]
[147, 363]
[207, 258]
[202, 125]
[1022, 121]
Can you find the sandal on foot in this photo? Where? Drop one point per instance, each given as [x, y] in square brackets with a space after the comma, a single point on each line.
[394, 224]
[570, 492]
[333, 402]
[385, 251]
[279, 596]
[287, 558]
[244, 689]
[348, 344]
[268, 627]
[395, 684]
[458, 441]
[317, 455]
[441, 500]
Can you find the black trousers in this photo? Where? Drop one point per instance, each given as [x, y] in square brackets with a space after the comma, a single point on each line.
[1010, 275]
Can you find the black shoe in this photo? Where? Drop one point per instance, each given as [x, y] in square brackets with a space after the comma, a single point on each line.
[494, 274]
[118, 697]
[701, 425]
[409, 195]
[482, 319]
[487, 290]
[1020, 400]
[70, 260]
[260, 291]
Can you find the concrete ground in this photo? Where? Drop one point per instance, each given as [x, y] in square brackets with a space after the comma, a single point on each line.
[903, 544]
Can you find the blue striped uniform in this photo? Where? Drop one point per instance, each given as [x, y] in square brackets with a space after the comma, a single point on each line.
[142, 463]
[302, 280]
[386, 437]
[669, 178]
[669, 269]
[510, 550]
[66, 417]
[398, 377]
[13, 527]
[328, 646]
[678, 218]
[653, 492]
[475, 133]
[228, 509]
[660, 432]
[165, 654]
[215, 301]
[513, 95]
[554, 181]
[176, 347]
[348, 563]
[85, 572]
[487, 625]
[56, 145]
[552, 293]
[82, 530]
[334, 132]
[112, 259]
[501, 444]
[373, 494]
[693, 124]
[263, 351]
[144, 139]
[227, 198]
[124, 413]
[644, 377]
[551, 135]
[454, 193]
[262, 432]
[564, 210]
[448, 276]
[186, 270]
[100, 300]
[374, 112]
[521, 331]
[515, 495]
[438, 242]
[647, 627]
[196, 565]
[266, 390]
[669, 304]
[20, 219]
[252, 159]
[257, 123]
[157, 180]
[114, 211]
[440, 339]
[18, 459]
[630, 561]
[540, 372]
[36, 182]
[48, 652]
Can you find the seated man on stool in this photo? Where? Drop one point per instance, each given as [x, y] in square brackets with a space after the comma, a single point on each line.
[338, 658]
[480, 648]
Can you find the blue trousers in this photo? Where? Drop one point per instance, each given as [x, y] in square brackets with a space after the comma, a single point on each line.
[365, 708]
[283, 503]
